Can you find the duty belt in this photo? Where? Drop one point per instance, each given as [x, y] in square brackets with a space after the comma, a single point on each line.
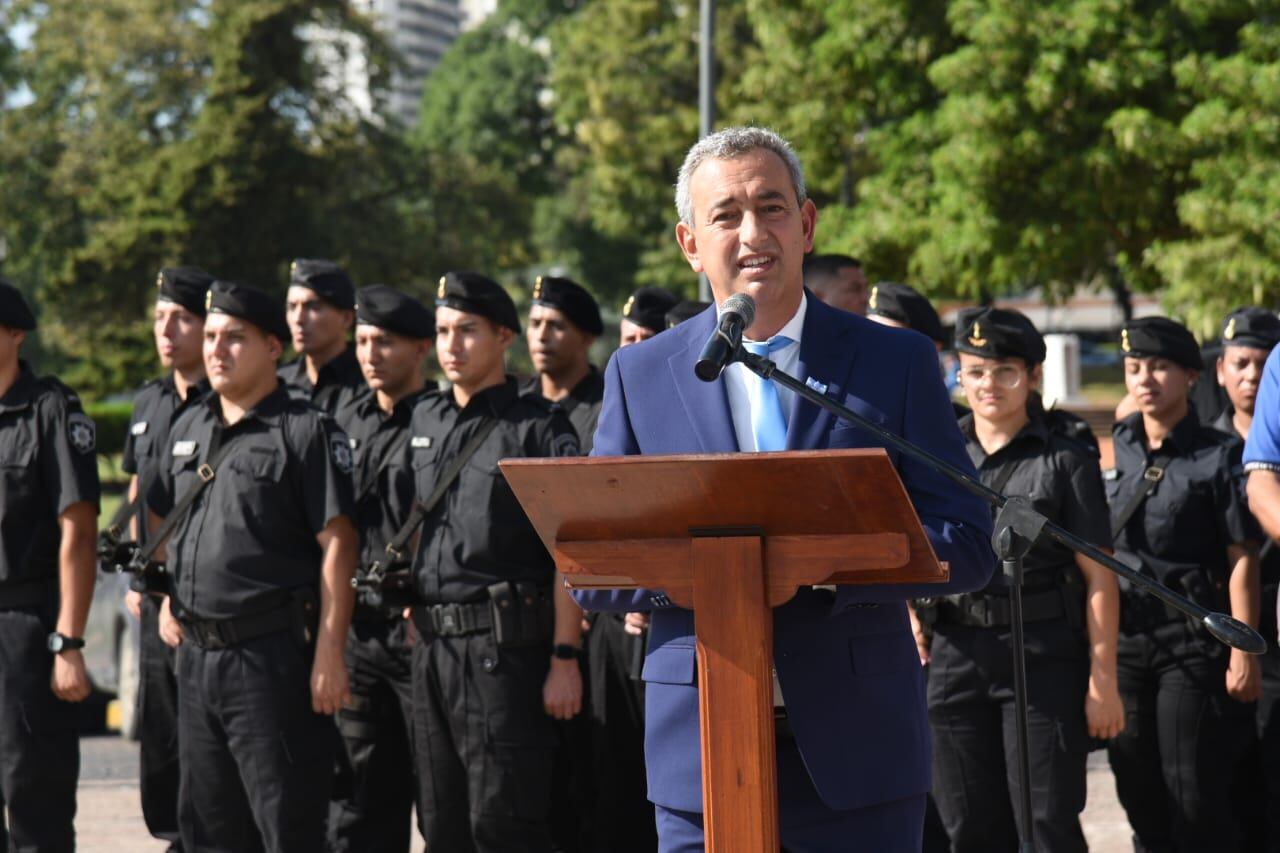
[995, 611]
[15, 595]
[452, 620]
[214, 634]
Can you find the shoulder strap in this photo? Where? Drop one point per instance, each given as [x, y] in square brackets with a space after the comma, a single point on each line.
[120, 519]
[1151, 477]
[421, 509]
[393, 450]
[207, 472]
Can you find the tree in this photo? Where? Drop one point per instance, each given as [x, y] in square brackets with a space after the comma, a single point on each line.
[1231, 255]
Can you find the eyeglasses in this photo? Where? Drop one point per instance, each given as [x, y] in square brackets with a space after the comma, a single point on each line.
[1003, 375]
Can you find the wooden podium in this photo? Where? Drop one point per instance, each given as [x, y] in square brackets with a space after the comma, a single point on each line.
[730, 536]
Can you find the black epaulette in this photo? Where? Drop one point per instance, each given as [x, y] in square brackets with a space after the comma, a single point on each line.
[54, 385]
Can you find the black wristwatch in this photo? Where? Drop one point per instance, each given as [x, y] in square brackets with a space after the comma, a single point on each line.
[61, 642]
[564, 651]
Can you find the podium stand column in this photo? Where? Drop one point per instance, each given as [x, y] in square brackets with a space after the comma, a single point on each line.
[734, 625]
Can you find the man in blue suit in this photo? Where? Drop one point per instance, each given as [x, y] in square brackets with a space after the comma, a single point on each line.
[853, 736]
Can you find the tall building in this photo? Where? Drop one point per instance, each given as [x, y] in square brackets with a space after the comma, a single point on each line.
[420, 31]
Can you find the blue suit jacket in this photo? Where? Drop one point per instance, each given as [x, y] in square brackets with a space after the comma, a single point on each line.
[849, 671]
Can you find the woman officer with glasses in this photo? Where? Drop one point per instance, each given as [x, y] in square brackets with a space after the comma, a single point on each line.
[1070, 611]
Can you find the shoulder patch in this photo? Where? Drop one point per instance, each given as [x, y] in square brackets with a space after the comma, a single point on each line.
[139, 428]
[81, 432]
[340, 449]
[566, 444]
[184, 448]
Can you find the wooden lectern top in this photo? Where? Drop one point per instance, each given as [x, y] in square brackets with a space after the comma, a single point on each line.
[830, 516]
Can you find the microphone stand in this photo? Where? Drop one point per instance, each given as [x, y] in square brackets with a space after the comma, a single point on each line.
[1017, 527]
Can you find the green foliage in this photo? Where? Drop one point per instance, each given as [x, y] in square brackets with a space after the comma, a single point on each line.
[112, 422]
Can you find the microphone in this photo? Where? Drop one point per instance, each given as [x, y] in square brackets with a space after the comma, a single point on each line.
[736, 314]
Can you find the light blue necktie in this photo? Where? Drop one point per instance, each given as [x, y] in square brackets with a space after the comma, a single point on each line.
[767, 422]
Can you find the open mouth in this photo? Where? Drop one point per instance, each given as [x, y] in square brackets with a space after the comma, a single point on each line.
[755, 265]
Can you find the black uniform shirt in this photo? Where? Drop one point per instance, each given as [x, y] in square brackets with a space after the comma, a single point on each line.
[47, 463]
[1061, 479]
[154, 409]
[337, 385]
[478, 534]
[384, 492]
[582, 405]
[1198, 507]
[250, 537]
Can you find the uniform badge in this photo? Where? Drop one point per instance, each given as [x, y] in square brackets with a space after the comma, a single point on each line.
[1124, 340]
[159, 280]
[81, 432]
[875, 293]
[537, 288]
[184, 448]
[208, 300]
[1229, 332]
[340, 446]
[626, 309]
[440, 289]
[421, 441]
[975, 336]
[566, 445]
[139, 428]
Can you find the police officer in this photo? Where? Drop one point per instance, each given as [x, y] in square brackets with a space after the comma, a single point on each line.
[564, 321]
[320, 308]
[499, 635]
[1248, 336]
[686, 309]
[644, 314]
[1179, 513]
[48, 520]
[374, 794]
[262, 551]
[1070, 610]
[837, 280]
[902, 306]
[178, 328]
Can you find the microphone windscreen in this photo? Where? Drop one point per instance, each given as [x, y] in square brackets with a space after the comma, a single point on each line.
[742, 305]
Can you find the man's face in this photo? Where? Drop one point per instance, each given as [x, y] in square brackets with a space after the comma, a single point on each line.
[389, 361]
[179, 335]
[749, 233]
[555, 343]
[1239, 372]
[1157, 385]
[846, 290]
[315, 325]
[10, 342]
[630, 333]
[237, 354]
[471, 349]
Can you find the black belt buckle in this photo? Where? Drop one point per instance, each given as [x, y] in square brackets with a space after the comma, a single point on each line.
[447, 621]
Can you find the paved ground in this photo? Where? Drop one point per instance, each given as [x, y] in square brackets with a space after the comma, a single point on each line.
[110, 819]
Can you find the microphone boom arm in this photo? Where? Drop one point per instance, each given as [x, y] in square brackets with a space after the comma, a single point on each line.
[1021, 518]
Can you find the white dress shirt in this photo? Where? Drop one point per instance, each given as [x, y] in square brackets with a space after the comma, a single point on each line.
[743, 386]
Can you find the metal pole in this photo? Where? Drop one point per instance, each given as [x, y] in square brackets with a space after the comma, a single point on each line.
[706, 93]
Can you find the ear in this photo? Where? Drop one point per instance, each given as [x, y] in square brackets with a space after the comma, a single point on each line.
[1222, 379]
[809, 221]
[506, 337]
[689, 245]
[274, 347]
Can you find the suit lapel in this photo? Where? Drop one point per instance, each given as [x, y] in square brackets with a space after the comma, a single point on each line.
[827, 352]
[705, 403]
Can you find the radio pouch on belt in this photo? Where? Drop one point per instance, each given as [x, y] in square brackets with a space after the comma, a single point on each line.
[523, 614]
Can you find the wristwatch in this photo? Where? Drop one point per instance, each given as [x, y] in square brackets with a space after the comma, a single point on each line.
[61, 642]
[564, 651]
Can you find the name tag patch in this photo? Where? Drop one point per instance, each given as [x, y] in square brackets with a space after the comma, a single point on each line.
[184, 448]
[420, 441]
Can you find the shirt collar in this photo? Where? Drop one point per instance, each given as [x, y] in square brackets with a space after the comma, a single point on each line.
[268, 409]
[495, 398]
[1181, 438]
[341, 367]
[795, 326]
[1034, 429]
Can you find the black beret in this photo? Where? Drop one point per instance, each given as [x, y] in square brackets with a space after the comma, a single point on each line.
[248, 303]
[1160, 337]
[329, 281]
[477, 294]
[685, 310]
[185, 286]
[571, 299]
[14, 311]
[903, 304]
[648, 307]
[998, 333]
[1251, 326]
[388, 308]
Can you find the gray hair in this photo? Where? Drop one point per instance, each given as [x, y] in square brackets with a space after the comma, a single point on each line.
[726, 145]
